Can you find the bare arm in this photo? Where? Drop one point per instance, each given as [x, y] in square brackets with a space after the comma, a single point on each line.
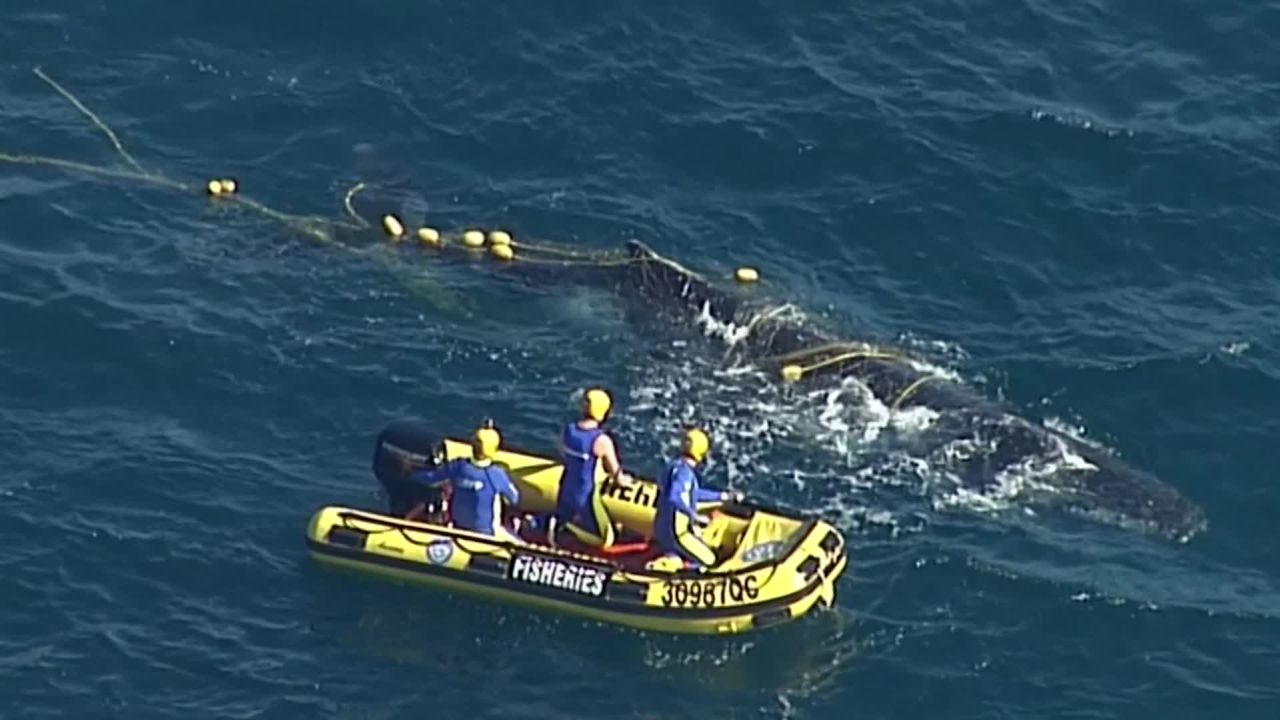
[608, 454]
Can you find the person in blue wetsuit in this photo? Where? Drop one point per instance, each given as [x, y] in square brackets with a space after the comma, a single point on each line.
[579, 505]
[478, 486]
[676, 523]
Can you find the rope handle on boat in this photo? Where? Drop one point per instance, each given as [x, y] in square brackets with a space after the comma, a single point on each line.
[467, 543]
[650, 578]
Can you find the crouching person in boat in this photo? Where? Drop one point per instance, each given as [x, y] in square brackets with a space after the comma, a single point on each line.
[478, 486]
[677, 524]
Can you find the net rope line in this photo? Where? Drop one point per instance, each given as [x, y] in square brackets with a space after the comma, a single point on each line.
[315, 226]
[319, 228]
[93, 117]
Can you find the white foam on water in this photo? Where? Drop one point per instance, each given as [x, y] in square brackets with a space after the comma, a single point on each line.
[1075, 432]
[1009, 485]
[657, 658]
[749, 415]
[1075, 119]
[728, 331]
[949, 351]
[733, 333]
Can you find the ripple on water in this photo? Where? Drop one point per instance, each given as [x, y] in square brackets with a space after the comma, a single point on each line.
[1071, 200]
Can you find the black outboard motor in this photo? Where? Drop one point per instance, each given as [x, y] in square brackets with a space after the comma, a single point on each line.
[405, 446]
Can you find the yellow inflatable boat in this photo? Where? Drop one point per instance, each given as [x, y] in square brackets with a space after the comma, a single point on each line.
[772, 567]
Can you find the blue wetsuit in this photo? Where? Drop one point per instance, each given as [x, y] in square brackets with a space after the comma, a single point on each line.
[678, 495]
[579, 506]
[476, 492]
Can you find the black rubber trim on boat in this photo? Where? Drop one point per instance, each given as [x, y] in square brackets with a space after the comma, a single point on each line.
[488, 566]
[607, 603]
[370, 516]
[767, 618]
[830, 541]
[809, 567]
[346, 537]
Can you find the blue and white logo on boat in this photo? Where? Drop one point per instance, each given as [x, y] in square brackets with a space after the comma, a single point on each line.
[439, 551]
[762, 552]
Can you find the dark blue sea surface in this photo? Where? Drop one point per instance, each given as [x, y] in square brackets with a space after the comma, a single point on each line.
[1072, 207]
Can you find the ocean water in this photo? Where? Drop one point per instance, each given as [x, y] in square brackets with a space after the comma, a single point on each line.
[1072, 207]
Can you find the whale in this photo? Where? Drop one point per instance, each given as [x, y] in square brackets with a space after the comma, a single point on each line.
[1090, 480]
[659, 293]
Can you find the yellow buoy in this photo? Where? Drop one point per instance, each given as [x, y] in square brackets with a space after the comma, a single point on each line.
[429, 236]
[215, 187]
[792, 373]
[499, 237]
[392, 225]
[502, 252]
[747, 275]
[473, 238]
[228, 186]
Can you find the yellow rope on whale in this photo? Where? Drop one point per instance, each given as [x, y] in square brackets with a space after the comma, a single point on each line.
[911, 389]
[817, 349]
[792, 372]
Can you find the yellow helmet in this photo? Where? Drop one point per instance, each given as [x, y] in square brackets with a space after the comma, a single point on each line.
[485, 442]
[596, 404]
[696, 444]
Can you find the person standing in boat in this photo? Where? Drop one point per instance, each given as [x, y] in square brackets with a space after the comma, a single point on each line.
[676, 523]
[579, 505]
[478, 485]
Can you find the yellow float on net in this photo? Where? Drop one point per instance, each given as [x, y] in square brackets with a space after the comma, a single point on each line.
[392, 225]
[473, 238]
[499, 237]
[228, 186]
[792, 373]
[429, 236]
[502, 252]
[747, 275]
[215, 187]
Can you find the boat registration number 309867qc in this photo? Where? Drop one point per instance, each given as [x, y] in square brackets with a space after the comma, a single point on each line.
[716, 592]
